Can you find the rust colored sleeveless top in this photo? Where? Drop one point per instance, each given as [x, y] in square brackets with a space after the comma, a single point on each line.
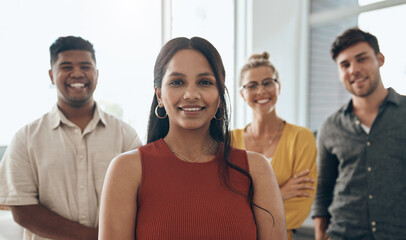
[184, 200]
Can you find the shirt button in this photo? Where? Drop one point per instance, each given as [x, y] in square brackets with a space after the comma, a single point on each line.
[373, 229]
[83, 217]
[369, 169]
[368, 143]
[76, 130]
[81, 187]
[373, 223]
[370, 196]
[357, 122]
[81, 156]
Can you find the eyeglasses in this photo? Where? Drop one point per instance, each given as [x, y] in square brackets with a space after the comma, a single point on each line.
[268, 84]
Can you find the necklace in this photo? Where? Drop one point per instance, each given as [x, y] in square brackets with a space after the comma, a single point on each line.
[198, 158]
[279, 130]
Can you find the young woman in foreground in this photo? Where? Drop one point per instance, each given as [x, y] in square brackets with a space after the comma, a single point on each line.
[187, 182]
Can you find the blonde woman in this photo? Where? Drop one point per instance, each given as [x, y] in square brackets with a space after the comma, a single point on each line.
[290, 149]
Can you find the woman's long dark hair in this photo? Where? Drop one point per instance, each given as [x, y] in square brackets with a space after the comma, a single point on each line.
[158, 128]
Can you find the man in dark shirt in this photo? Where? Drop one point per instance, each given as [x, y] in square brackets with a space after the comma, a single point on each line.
[361, 189]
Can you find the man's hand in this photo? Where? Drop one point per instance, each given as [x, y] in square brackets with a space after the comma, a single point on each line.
[297, 185]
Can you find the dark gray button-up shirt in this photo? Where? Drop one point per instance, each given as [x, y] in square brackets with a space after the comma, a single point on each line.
[362, 177]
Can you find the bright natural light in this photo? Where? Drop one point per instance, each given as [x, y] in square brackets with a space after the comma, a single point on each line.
[127, 38]
[367, 2]
[385, 24]
[202, 19]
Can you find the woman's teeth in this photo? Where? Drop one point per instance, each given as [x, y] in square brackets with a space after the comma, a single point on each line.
[262, 101]
[191, 109]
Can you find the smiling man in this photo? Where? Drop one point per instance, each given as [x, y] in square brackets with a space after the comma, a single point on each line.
[52, 173]
[362, 150]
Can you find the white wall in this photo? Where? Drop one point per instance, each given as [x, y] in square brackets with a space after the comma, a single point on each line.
[280, 28]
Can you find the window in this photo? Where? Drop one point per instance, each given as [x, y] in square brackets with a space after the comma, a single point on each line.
[367, 2]
[201, 18]
[326, 93]
[391, 42]
[127, 38]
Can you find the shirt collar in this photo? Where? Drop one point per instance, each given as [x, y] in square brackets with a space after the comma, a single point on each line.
[99, 114]
[392, 97]
[348, 107]
[57, 117]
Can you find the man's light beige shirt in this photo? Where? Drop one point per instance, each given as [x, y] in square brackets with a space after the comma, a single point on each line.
[51, 162]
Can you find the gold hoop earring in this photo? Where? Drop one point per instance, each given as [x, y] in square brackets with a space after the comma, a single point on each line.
[157, 115]
[221, 118]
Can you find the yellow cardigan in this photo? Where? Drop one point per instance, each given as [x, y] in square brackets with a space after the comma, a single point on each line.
[296, 151]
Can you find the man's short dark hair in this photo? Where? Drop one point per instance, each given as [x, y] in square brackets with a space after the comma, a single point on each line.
[351, 37]
[70, 43]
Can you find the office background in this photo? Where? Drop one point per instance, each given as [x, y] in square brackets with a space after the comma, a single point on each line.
[128, 34]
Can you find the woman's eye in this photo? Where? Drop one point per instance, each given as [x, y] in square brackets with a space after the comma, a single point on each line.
[206, 82]
[176, 82]
[251, 85]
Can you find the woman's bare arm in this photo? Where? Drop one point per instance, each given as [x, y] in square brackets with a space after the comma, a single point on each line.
[267, 195]
[118, 210]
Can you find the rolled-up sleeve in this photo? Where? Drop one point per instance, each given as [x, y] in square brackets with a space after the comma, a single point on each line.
[18, 183]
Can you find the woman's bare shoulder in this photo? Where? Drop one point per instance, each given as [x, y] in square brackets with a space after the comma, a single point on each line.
[258, 163]
[126, 165]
